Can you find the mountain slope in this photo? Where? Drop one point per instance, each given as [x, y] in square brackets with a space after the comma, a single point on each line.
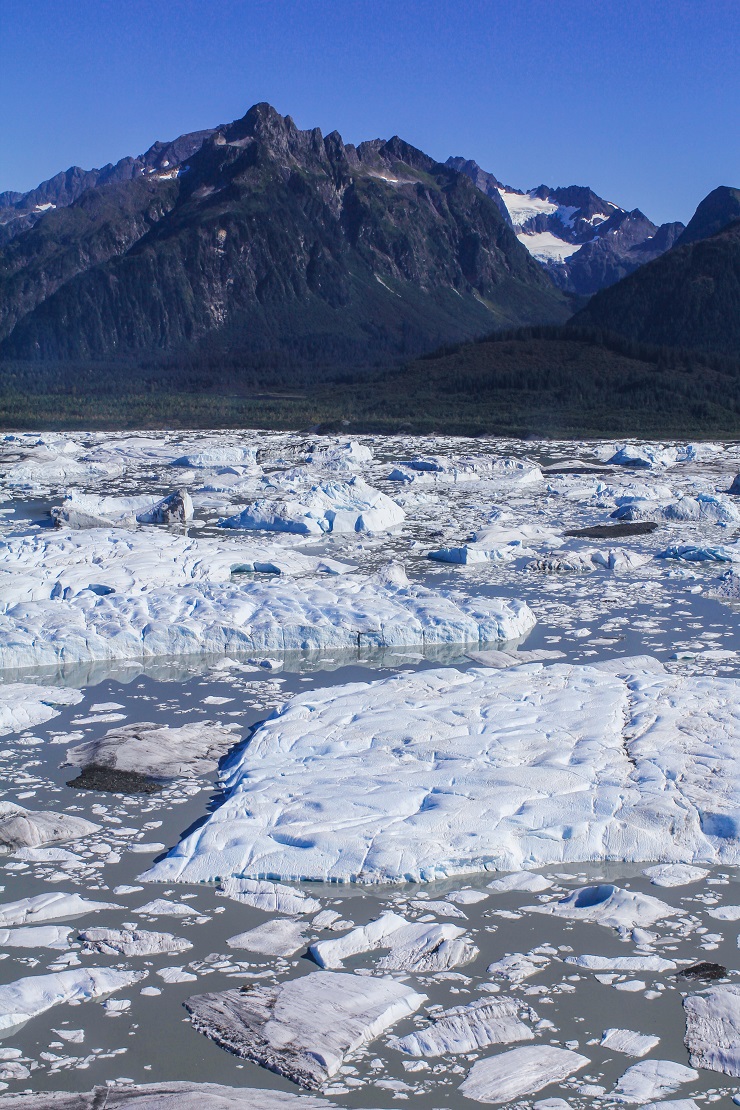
[273, 244]
[585, 242]
[689, 297]
[720, 208]
[20, 211]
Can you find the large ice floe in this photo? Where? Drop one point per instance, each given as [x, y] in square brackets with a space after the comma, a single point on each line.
[443, 772]
[466, 1028]
[25, 828]
[131, 596]
[303, 1028]
[166, 1096]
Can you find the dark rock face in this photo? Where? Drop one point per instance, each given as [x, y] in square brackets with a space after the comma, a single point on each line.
[275, 244]
[703, 972]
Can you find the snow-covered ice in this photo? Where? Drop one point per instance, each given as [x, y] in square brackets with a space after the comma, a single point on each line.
[629, 1042]
[131, 942]
[442, 772]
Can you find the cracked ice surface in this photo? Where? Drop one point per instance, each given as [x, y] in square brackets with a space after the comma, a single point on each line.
[443, 772]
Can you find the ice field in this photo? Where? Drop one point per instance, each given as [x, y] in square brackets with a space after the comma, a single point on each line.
[357, 773]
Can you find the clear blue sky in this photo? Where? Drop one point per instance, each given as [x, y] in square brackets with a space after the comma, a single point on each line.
[637, 99]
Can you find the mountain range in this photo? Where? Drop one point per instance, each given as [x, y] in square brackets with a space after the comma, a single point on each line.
[256, 253]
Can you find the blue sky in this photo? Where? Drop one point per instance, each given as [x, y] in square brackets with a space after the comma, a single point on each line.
[637, 99]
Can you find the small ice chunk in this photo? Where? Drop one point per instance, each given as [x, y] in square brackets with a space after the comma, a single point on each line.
[518, 966]
[629, 1042]
[674, 874]
[176, 975]
[622, 963]
[651, 1080]
[160, 907]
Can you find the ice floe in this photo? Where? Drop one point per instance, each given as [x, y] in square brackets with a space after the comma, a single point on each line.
[467, 1028]
[303, 1028]
[674, 874]
[608, 905]
[25, 828]
[24, 705]
[27, 998]
[166, 1096]
[442, 772]
[279, 937]
[713, 1029]
[520, 1072]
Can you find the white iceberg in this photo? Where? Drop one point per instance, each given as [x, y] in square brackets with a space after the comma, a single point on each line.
[351, 506]
[279, 937]
[466, 1028]
[609, 905]
[39, 936]
[47, 907]
[270, 897]
[713, 1029]
[215, 456]
[520, 1072]
[27, 998]
[25, 828]
[629, 1042]
[131, 942]
[674, 874]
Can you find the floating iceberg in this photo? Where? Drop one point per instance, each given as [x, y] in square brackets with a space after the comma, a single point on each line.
[27, 998]
[652, 1079]
[440, 772]
[165, 602]
[608, 905]
[520, 1072]
[23, 705]
[713, 1029]
[131, 942]
[420, 946]
[351, 506]
[303, 1028]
